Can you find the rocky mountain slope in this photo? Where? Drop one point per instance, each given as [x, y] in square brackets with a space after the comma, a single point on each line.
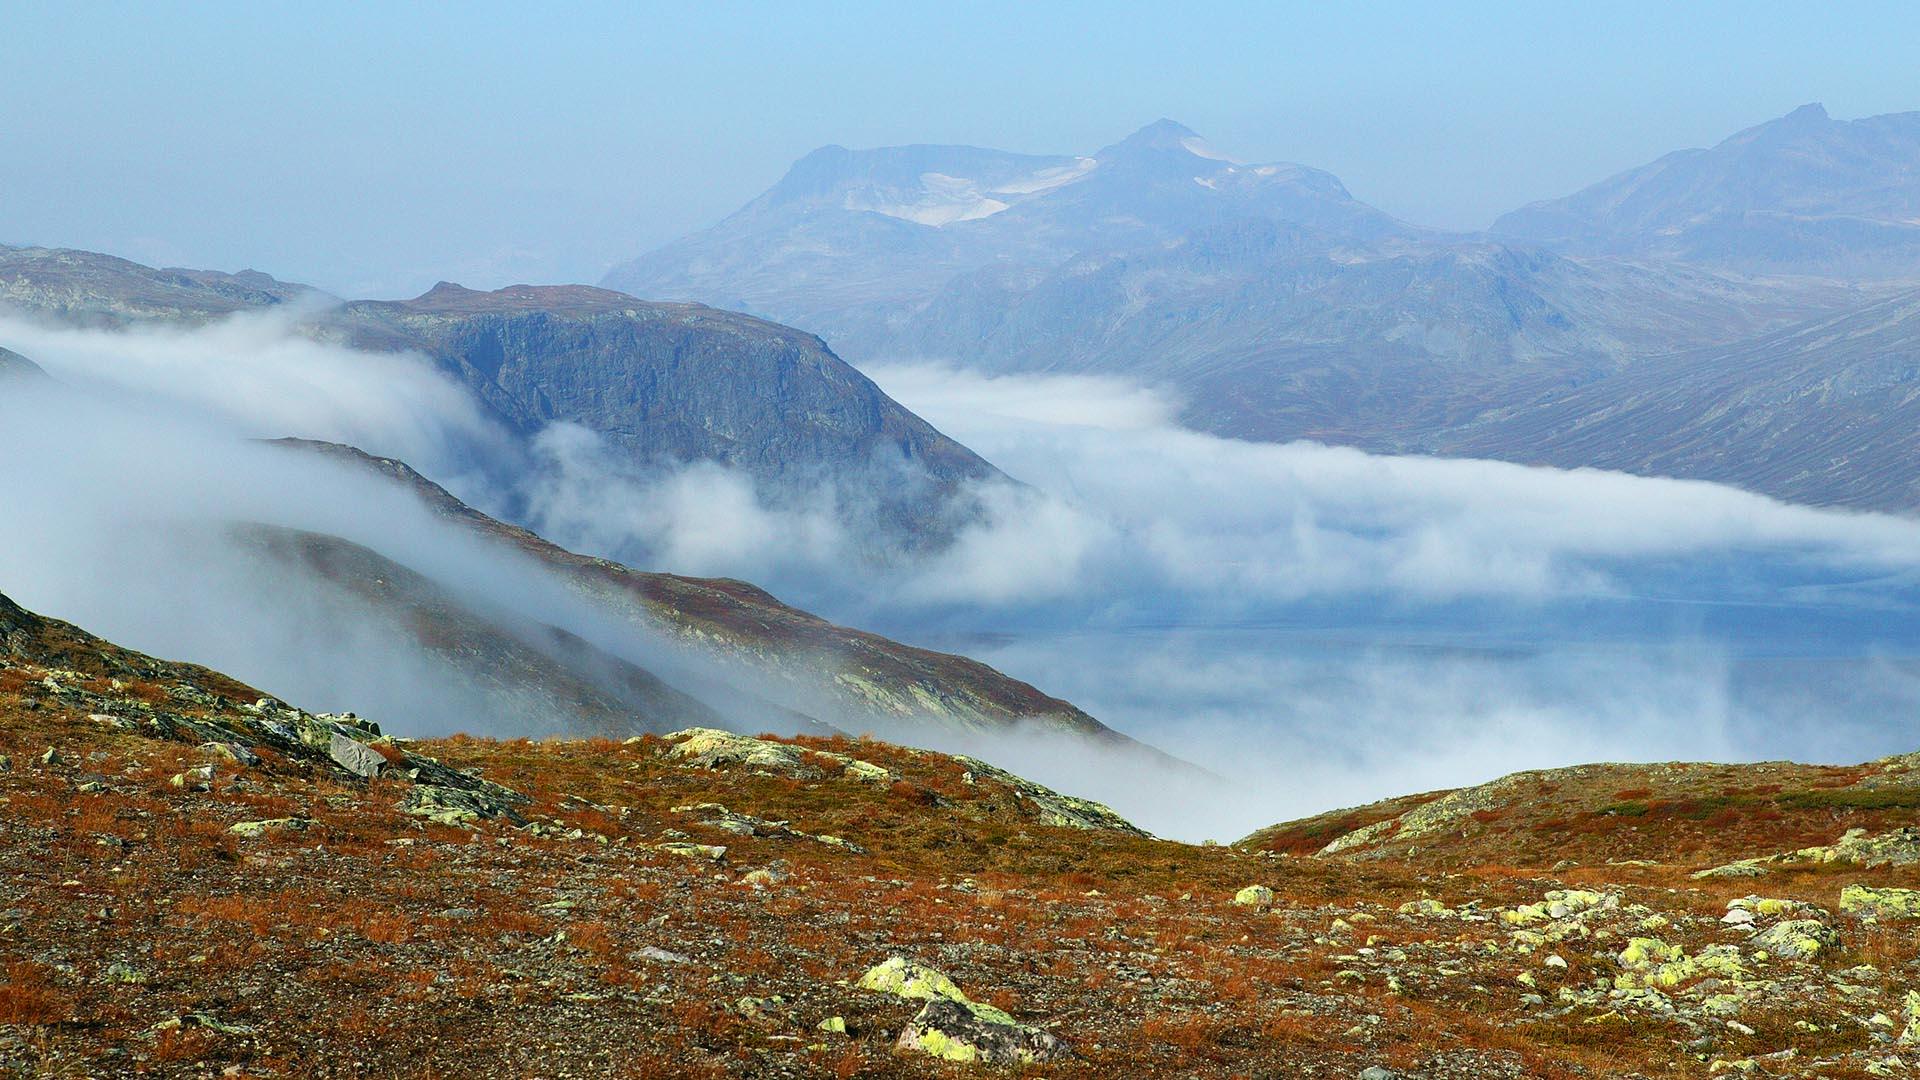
[537, 679]
[676, 382]
[1278, 307]
[1802, 194]
[1822, 412]
[90, 289]
[732, 630]
[659, 382]
[202, 880]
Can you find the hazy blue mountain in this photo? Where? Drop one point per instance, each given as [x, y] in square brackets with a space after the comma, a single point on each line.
[1804, 194]
[1825, 412]
[848, 236]
[1275, 304]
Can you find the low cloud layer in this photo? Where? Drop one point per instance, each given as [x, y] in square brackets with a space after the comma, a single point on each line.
[1318, 626]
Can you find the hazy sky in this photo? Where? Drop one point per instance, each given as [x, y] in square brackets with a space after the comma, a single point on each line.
[376, 149]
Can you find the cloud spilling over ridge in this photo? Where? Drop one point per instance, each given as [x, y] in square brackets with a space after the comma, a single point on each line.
[123, 486]
[253, 375]
[1319, 626]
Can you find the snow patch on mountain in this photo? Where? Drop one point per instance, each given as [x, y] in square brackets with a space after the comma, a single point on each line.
[943, 200]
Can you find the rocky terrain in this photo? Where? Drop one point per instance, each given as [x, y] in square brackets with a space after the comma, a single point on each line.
[201, 880]
[90, 289]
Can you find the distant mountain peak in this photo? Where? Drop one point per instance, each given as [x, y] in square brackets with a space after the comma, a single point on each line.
[1813, 110]
[1163, 135]
[444, 290]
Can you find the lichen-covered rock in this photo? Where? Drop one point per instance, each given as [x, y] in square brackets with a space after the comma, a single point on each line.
[262, 828]
[1254, 896]
[711, 748]
[709, 852]
[969, 1032]
[1797, 939]
[1055, 809]
[1870, 902]
[458, 806]
[905, 978]
[1897, 847]
[954, 1028]
[1765, 908]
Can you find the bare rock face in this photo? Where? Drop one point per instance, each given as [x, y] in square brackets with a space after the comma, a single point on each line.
[952, 1026]
[679, 382]
[967, 1031]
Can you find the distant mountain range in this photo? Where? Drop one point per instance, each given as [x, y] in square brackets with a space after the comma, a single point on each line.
[1280, 307]
[1804, 194]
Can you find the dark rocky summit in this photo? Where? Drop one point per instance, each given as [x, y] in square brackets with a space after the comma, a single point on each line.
[677, 382]
[660, 383]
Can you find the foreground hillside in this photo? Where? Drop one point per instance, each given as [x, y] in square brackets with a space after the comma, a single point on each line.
[202, 881]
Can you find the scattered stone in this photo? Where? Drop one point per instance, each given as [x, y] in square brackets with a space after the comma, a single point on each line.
[1797, 939]
[966, 1031]
[1257, 896]
[355, 756]
[659, 955]
[1870, 902]
[231, 751]
[709, 852]
[833, 1025]
[262, 828]
[49, 759]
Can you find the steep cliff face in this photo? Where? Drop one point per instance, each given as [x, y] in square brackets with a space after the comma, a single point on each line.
[676, 382]
[659, 382]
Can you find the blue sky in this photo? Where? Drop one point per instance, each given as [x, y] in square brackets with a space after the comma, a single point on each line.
[375, 149]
